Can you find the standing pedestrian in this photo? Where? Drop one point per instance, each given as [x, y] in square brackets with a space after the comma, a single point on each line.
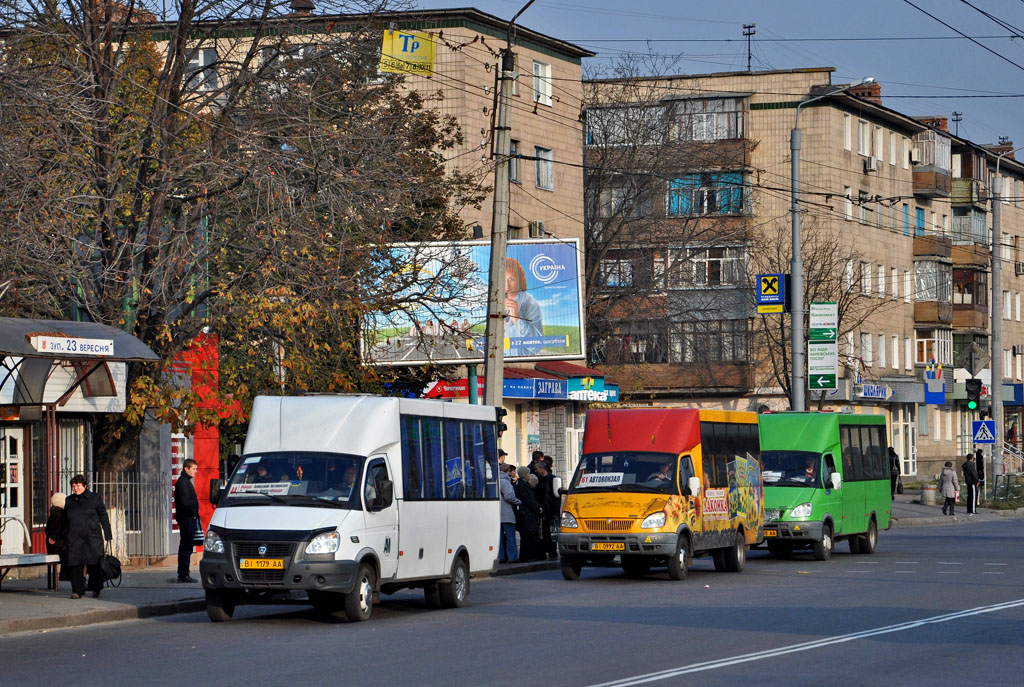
[979, 463]
[894, 471]
[507, 550]
[186, 512]
[970, 470]
[536, 457]
[546, 498]
[949, 487]
[87, 527]
[529, 516]
[57, 533]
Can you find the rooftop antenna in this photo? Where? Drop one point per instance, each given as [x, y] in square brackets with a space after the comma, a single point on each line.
[748, 31]
[957, 118]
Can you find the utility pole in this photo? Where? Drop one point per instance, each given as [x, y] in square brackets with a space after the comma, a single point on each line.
[748, 31]
[494, 354]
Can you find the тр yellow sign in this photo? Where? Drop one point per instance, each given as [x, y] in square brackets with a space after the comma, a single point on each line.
[407, 52]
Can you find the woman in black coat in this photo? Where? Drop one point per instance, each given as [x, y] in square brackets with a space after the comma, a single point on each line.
[528, 518]
[85, 515]
[57, 532]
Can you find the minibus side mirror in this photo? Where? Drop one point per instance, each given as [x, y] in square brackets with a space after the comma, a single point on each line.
[835, 480]
[556, 485]
[693, 486]
[216, 490]
[563, 492]
[387, 493]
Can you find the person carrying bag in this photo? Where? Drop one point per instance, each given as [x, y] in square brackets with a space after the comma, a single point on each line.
[186, 512]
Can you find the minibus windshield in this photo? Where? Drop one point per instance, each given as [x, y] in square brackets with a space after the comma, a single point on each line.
[295, 478]
[791, 468]
[626, 471]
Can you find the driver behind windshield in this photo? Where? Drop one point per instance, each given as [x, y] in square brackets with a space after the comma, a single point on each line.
[662, 474]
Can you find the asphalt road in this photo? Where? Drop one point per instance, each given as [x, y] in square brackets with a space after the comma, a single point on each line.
[934, 606]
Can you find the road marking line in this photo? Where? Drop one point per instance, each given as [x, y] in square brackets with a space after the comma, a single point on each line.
[949, 572]
[997, 564]
[945, 563]
[905, 562]
[993, 573]
[906, 572]
[806, 646]
[858, 571]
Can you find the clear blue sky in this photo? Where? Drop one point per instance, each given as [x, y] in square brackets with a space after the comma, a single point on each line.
[924, 67]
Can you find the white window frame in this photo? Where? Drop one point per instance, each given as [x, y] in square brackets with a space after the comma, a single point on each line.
[895, 351]
[906, 153]
[894, 275]
[849, 276]
[1016, 299]
[847, 202]
[1007, 306]
[908, 353]
[866, 346]
[879, 143]
[892, 148]
[198, 77]
[881, 351]
[542, 83]
[847, 132]
[865, 278]
[881, 281]
[1007, 362]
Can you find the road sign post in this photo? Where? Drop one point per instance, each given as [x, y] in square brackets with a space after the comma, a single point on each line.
[822, 351]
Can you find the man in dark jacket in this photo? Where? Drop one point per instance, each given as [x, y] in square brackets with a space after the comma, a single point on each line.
[528, 517]
[87, 527]
[549, 502]
[970, 470]
[186, 512]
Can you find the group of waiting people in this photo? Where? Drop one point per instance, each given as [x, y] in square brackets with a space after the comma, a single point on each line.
[76, 528]
[949, 484]
[529, 505]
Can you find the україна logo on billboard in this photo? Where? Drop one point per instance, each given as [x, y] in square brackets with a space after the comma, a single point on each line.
[545, 269]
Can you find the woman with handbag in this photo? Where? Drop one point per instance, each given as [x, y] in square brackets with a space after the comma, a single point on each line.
[949, 487]
[87, 527]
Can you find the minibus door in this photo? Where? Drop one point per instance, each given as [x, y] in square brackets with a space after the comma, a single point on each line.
[381, 516]
[831, 499]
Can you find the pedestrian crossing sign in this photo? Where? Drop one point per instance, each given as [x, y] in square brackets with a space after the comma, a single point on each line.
[984, 431]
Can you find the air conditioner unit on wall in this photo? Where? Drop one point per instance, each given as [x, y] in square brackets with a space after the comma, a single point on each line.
[871, 164]
[915, 155]
[1018, 268]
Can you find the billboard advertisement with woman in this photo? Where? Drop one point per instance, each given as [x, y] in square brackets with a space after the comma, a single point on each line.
[443, 314]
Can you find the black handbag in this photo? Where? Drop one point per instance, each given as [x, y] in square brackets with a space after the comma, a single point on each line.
[899, 485]
[198, 537]
[110, 568]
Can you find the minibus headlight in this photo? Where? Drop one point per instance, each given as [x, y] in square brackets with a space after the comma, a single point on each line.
[801, 511]
[653, 521]
[325, 543]
[213, 543]
[568, 521]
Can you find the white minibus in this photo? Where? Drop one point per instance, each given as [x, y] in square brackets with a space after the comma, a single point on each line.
[346, 496]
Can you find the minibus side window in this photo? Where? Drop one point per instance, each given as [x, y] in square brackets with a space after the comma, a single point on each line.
[830, 467]
[454, 475]
[685, 472]
[412, 458]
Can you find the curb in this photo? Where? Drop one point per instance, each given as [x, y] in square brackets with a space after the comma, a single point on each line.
[101, 616]
[521, 568]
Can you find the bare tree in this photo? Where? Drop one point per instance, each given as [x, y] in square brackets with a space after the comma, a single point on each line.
[831, 274]
[665, 210]
[237, 166]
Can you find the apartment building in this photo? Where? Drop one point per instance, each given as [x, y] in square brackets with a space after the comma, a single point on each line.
[896, 229]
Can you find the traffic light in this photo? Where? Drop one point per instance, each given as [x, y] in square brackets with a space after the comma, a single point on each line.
[973, 387]
[500, 413]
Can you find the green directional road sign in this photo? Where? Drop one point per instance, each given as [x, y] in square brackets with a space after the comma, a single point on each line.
[821, 381]
[821, 334]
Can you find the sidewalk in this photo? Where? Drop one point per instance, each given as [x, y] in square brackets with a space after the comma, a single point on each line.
[27, 605]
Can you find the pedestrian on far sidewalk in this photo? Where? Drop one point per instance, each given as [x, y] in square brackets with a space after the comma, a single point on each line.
[528, 518]
[88, 526]
[894, 472]
[970, 470]
[186, 512]
[57, 533]
[550, 503]
[949, 487]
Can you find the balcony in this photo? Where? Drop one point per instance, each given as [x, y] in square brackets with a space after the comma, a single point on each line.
[970, 255]
[969, 192]
[933, 312]
[936, 246]
[970, 317]
[932, 182]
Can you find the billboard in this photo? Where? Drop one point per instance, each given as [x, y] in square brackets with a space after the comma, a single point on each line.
[444, 313]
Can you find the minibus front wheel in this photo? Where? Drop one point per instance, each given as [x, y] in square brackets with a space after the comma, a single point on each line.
[220, 605]
[359, 602]
[680, 560]
[823, 547]
[571, 567]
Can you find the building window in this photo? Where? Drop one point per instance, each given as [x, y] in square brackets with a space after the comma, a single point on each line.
[847, 202]
[709, 193]
[712, 341]
[969, 225]
[879, 145]
[908, 286]
[908, 353]
[865, 278]
[894, 276]
[933, 281]
[881, 351]
[718, 266]
[906, 219]
[707, 119]
[934, 346]
[633, 125]
[863, 137]
[865, 349]
[202, 76]
[1007, 306]
[542, 83]
[895, 352]
[892, 147]
[616, 273]
[545, 168]
[513, 162]
[847, 131]
[624, 200]
[919, 221]
[970, 287]
[515, 232]
[1016, 298]
[906, 153]
[1007, 363]
[537, 230]
[881, 281]
[862, 206]
[849, 276]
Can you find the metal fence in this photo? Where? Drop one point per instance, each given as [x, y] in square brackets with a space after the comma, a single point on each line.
[139, 508]
[1008, 487]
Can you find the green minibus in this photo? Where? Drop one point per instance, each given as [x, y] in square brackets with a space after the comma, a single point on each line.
[826, 478]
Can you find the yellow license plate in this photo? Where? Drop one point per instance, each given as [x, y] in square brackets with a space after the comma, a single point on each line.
[261, 564]
[611, 546]
[771, 533]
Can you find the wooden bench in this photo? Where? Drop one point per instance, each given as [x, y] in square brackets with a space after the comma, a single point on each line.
[9, 561]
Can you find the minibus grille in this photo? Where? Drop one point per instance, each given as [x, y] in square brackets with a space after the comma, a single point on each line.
[250, 549]
[608, 525]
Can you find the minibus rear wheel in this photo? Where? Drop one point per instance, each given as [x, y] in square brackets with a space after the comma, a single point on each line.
[869, 540]
[734, 558]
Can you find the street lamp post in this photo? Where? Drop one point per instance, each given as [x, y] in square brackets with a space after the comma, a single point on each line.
[796, 265]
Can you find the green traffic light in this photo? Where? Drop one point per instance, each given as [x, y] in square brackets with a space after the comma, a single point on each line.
[972, 405]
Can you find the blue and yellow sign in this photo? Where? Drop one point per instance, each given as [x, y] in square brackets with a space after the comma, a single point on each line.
[771, 293]
[407, 52]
